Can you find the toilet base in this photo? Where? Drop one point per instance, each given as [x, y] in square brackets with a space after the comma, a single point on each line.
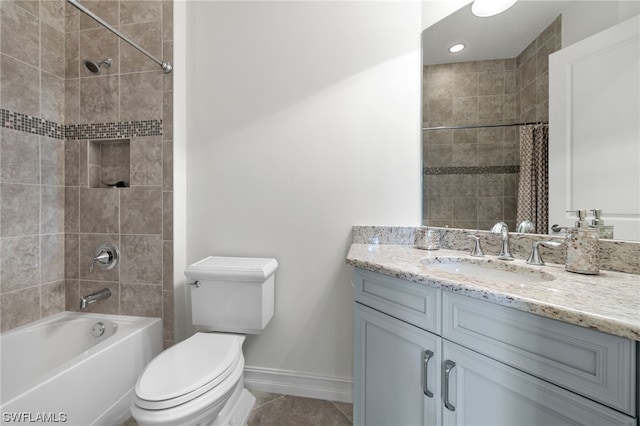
[237, 409]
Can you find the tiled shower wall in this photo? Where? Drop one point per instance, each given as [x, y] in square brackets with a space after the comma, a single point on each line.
[131, 103]
[470, 176]
[533, 74]
[31, 161]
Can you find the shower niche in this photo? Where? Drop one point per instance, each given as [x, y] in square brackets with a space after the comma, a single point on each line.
[109, 163]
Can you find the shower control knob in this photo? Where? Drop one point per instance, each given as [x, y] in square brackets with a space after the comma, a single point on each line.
[107, 257]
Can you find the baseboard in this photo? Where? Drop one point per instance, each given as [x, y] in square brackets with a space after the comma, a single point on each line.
[298, 384]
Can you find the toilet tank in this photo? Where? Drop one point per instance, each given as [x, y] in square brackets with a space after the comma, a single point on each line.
[232, 294]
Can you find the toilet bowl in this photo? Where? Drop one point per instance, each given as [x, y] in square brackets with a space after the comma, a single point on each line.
[200, 381]
[191, 382]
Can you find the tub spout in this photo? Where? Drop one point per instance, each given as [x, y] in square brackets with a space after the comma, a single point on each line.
[85, 301]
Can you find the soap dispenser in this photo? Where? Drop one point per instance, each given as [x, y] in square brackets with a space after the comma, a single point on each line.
[606, 231]
[582, 247]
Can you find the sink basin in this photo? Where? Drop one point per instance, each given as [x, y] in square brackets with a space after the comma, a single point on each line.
[487, 269]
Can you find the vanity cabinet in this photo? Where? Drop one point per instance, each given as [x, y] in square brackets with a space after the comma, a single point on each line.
[397, 353]
[398, 379]
[587, 362]
[482, 391]
[424, 356]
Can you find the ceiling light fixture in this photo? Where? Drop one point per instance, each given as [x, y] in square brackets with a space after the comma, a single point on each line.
[486, 8]
[457, 47]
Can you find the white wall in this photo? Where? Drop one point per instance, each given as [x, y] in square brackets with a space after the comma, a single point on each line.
[586, 18]
[180, 114]
[436, 10]
[303, 119]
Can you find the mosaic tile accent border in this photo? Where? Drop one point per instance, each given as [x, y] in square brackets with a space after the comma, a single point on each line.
[489, 170]
[113, 130]
[128, 129]
[29, 124]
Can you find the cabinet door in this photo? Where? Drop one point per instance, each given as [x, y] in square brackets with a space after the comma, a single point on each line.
[482, 391]
[397, 372]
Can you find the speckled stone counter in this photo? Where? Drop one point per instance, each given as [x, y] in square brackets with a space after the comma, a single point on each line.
[609, 302]
[615, 255]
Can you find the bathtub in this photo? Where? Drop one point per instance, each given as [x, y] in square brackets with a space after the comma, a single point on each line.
[56, 371]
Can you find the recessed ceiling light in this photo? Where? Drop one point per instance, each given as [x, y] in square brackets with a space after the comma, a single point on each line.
[486, 8]
[457, 48]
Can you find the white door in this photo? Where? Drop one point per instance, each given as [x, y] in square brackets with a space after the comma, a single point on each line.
[480, 391]
[396, 372]
[594, 129]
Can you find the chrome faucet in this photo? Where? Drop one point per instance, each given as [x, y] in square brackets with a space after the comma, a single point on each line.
[476, 251]
[535, 258]
[85, 301]
[502, 229]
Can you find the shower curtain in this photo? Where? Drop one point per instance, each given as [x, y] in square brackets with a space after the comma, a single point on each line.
[533, 187]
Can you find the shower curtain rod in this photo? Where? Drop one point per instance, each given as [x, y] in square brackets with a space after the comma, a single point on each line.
[480, 126]
[166, 66]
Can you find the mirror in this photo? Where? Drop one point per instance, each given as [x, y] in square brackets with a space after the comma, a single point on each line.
[471, 167]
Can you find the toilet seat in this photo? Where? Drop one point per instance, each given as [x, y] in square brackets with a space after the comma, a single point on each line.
[188, 370]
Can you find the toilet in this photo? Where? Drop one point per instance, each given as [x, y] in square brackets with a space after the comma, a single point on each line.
[200, 381]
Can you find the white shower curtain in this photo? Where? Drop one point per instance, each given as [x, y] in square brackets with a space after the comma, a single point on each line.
[533, 187]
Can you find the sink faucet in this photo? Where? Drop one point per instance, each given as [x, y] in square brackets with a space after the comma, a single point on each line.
[535, 258]
[476, 251]
[85, 301]
[502, 229]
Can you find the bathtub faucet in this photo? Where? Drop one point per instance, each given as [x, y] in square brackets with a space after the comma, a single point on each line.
[85, 301]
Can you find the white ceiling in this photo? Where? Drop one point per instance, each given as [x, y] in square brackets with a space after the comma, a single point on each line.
[502, 36]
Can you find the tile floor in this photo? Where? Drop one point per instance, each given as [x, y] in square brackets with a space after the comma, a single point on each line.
[284, 410]
[272, 409]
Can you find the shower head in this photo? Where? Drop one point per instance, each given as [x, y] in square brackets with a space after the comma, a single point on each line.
[94, 68]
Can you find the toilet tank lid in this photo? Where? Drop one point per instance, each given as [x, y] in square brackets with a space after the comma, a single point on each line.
[253, 269]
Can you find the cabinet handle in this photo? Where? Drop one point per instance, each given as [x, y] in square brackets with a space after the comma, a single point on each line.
[448, 366]
[426, 356]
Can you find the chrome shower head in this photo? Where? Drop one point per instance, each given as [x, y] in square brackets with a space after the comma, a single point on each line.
[94, 68]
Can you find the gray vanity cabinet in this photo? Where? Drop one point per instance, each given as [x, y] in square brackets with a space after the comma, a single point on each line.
[587, 362]
[424, 356]
[397, 377]
[398, 372]
[482, 391]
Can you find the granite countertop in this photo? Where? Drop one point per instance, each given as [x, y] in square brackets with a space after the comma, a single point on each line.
[608, 302]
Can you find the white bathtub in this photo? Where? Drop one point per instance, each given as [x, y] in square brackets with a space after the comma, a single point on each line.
[54, 371]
